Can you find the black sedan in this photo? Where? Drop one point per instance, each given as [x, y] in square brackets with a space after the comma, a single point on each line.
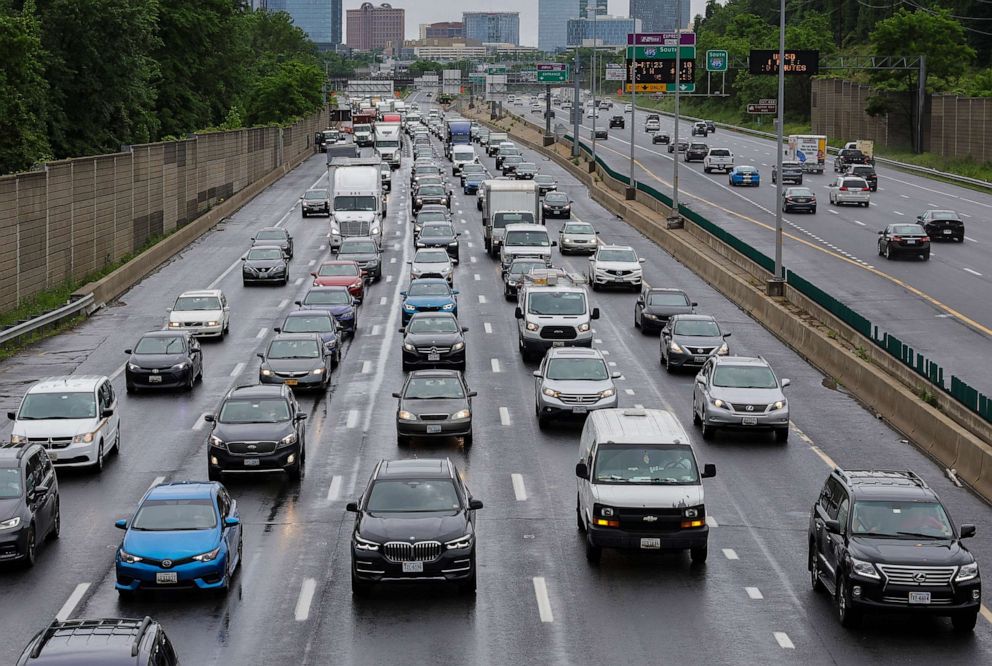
[434, 403]
[545, 183]
[320, 322]
[431, 213]
[431, 194]
[662, 138]
[656, 305]
[616, 121]
[298, 360]
[798, 199]
[696, 152]
[942, 225]
[274, 236]
[556, 204]
[264, 264]
[433, 339]
[164, 359]
[682, 146]
[898, 239]
[439, 234]
[600, 133]
[509, 164]
[415, 521]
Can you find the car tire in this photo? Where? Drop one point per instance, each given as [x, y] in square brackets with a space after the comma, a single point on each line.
[127, 595]
[297, 470]
[964, 622]
[97, 466]
[543, 422]
[926, 255]
[814, 569]
[214, 474]
[580, 524]
[467, 587]
[696, 421]
[130, 388]
[30, 550]
[56, 531]
[888, 252]
[782, 435]
[707, 431]
[667, 361]
[880, 253]
[959, 239]
[698, 554]
[593, 552]
[848, 617]
[812, 210]
[467, 441]
[637, 321]
[190, 382]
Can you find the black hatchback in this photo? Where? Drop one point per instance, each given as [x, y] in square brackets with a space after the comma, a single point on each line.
[29, 502]
[164, 359]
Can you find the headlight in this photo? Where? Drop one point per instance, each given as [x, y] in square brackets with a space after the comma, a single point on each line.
[419, 200]
[213, 323]
[967, 572]
[419, 244]
[448, 306]
[127, 557]
[266, 372]
[551, 393]
[408, 307]
[458, 346]
[214, 440]
[718, 403]
[608, 393]
[693, 512]
[16, 520]
[459, 543]
[374, 231]
[133, 367]
[174, 324]
[288, 439]
[407, 346]
[606, 511]
[365, 544]
[18, 439]
[406, 416]
[780, 404]
[723, 350]
[461, 414]
[583, 328]
[674, 346]
[864, 569]
[453, 243]
[83, 439]
[179, 366]
[207, 557]
[531, 326]
[317, 371]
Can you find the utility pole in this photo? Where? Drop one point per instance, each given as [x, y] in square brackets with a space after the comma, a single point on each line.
[576, 106]
[592, 85]
[631, 193]
[776, 284]
[675, 219]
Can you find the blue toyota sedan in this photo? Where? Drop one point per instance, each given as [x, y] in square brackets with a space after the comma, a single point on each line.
[428, 295]
[744, 175]
[185, 534]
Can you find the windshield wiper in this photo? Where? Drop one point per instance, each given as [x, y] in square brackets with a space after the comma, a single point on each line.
[613, 477]
[921, 536]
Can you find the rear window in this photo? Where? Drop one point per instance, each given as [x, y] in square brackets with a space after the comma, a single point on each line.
[854, 182]
[719, 152]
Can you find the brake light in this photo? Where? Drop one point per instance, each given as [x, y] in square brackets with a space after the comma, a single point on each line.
[843, 188]
[926, 238]
[897, 238]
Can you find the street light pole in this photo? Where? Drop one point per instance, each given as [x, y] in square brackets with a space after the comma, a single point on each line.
[632, 186]
[775, 285]
[675, 219]
[576, 105]
[592, 85]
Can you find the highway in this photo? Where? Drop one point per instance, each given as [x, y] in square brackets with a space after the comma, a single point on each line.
[538, 599]
[929, 305]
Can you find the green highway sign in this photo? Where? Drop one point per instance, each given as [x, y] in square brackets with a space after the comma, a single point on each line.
[717, 61]
[552, 72]
[496, 69]
[660, 53]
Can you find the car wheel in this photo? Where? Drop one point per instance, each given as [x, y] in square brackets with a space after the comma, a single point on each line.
[98, 465]
[190, 381]
[960, 239]
[637, 321]
[467, 441]
[848, 616]
[593, 552]
[543, 422]
[130, 388]
[782, 435]
[698, 554]
[579, 523]
[814, 569]
[117, 441]
[964, 622]
[56, 531]
[30, 549]
[695, 416]
[668, 363]
[813, 210]
[127, 595]
[888, 252]
[926, 255]
[880, 252]
[707, 431]
[214, 474]
[467, 587]
[359, 588]
[595, 286]
[297, 469]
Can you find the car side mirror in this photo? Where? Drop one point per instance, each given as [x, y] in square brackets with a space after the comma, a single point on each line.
[464, 329]
[967, 530]
[121, 524]
[209, 418]
[297, 302]
[641, 261]
[261, 356]
[595, 313]
[232, 521]
[695, 304]
[128, 351]
[727, 335]
[616, 375]
[881, 232]
[313, 275]
[700, 379]
[474, 504]
[41, 489]
[518, 313]
[12, 416]
[786, 382]
[472, 394]
[709, 471]
[402, 329]
[581, 470]
[592, 258]
[302, 417]
[277, 329]
[396, 394]
[831, 525]
[244, 258]
[352, 507]
[106, 413]
[402, 293]
[454, 292]
[253, 238]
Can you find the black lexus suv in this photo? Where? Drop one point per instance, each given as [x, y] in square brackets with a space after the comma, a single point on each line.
[881, 541]
[414, 522]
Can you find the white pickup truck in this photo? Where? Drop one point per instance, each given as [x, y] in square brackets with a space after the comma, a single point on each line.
[718, 159]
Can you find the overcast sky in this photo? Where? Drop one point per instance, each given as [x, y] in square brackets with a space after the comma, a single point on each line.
[429, 11]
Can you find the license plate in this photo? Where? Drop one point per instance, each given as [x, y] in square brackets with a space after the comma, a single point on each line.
[580, 410]
[919, 597]
[168, 577]
[433, 429]
[699, 359]
[251, 462]
[910, 241]
[154, 379]
[651, 544]
[413, 567]
[291, 382]
[433, 357]
[948, 231]
[749, 420]
[558, 343]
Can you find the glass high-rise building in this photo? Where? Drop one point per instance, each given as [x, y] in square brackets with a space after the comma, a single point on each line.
[659, 15]
[320, 19]
[604, 31]
[585, 7]
[552, 23]
[490, 27]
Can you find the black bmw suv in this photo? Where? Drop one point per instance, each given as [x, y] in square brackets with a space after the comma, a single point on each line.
[414, 522]
[881, 541]
[29, 502]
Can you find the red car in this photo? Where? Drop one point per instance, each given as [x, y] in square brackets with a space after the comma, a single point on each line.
[341, 274]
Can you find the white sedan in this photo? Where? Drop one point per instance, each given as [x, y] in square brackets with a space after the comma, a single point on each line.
[628, 108]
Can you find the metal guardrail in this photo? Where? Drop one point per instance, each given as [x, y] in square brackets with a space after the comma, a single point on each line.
[71, 309]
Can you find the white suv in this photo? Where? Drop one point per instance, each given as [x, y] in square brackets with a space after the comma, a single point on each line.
[615, 265]
[74, 418]
[204, 313]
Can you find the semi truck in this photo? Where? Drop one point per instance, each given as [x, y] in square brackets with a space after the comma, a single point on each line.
[387, 143]
[357, 200]
[810, 150]
[456, 131]
[508, 202]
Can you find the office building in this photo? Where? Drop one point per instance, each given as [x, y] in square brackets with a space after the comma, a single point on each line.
[603, 31]
[585, 6]
[372, 27]
[443, 30]
[659, 15]
[320, 19]
[493, 27]
[552, 23]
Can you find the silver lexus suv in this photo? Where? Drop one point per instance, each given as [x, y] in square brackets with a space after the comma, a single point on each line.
[740, 392]
[572, 382]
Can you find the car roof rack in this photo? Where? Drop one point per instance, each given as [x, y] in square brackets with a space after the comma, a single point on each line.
[103, 626]
[554, 276]
[881, 477]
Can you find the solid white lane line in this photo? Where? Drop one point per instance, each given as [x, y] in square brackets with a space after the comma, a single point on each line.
[730, 554]
[488, 327]
[973, 272]
[70, 604]
[376, 329]
[157, 480]
[495, 364]
[754, 593]
[366, 367]
[543, 601]
[117, 373]
[711, 521]
[482, 299]
[335, 489]
[237, 369]
[504, 416]
[261, 333]
[306, 597]
[352, 418]
[518, 487]
[784, 641]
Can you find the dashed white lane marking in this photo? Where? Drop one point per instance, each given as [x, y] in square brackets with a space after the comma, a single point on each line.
[904, 196]
[639, 406]
[383, 300]
[629, 391]
[504, 416]
[969, 238]
[711, 521]
[70, 604]
[306, 597]
[353, 415]
[237, 369]
[598, 341]
[605, 352]
[477, 277]
[488, 327]
[495, 364]
[392, 260]
[832, 211]
[366, 367]
[730, 554]
[261, 333]
[322, 248]
[472, 259]
[519, 491]
[376, 329]
[117, 373]
[200, 422]
[964, 215]
[311, 262]
[612, 364]
[898, 213]
[859, 223]
[470, 244]
[482, 299]
[784, 641]
[543, 602]
[754, 593]
[973, 272]
[283, 303]
[157, 480]
[335, 489]
[389, 278]
[298, 282]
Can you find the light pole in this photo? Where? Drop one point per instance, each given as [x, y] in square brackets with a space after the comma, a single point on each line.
[592, 84]
[675, 219]
[632, 186]
[576, 105]
[776, 284]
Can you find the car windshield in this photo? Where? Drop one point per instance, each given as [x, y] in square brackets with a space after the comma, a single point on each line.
[473, 168]
[160, 344]
[543, 178]
[907, 229]
[357, 247]
[500, 220]
[430, 191]
[579, 229]
[316, 195]
[413, 496]
[527, 238]
[428, 289]
[293, 349]
[308, 324]
[167, 515]
[431, 257]
[463, 155]
[943, 215]
[429, 180]
[513, 159]
[274, 410]
[191, 303]
[329, 297]
[744, 377]
[10, 482]
[527, 166]
[525, 267]
[556, 198]
[668, 298]
[427, 169]
[387, 143]
[799, 192]
[699, 146]
[745, 169]
[697, 328]
[555, 303]
[274, 234]
[791, 166]
[432, 325]
[900, 518]
[588, 369]
[437, 231]
[432, 216]
[68, 405]
[354, 203]
[645, 463]
[433, 388]
[626, 256]
[338, 269]
[264, 254]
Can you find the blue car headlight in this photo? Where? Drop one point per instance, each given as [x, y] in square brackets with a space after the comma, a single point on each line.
[128, 558]
[408, 307]
[207, 557]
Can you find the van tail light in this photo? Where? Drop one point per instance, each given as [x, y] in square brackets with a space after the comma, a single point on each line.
[843, 188]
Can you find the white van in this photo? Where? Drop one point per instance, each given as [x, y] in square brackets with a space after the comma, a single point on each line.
[525, 240]
[639, 486]
[461, 154]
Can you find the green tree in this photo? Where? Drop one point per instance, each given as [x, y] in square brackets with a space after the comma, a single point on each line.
[284, 91]
[23, 91]
[421, 67]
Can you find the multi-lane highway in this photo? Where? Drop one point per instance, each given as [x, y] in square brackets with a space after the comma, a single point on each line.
[933, 306]
[538, 599]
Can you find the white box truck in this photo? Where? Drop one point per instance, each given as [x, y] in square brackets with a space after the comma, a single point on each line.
[810, 150]
[508, 202]
[356, 200]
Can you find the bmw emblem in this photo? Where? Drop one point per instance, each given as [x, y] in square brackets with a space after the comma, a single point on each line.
[166, 564]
